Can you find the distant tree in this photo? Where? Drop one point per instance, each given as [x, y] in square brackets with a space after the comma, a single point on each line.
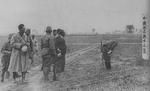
[130, 29]
[93, 30]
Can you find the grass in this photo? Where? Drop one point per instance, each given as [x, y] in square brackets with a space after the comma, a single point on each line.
[122, 51]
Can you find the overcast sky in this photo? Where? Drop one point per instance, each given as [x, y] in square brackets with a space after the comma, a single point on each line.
[72, 15]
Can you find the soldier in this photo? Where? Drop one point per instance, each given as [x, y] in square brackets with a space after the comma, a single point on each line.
[106, 55]
[19, 56]
[61, 50]
[29, 42]
[6, 51]
[48, 52]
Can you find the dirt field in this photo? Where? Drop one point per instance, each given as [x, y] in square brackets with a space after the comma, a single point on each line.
[85, 70]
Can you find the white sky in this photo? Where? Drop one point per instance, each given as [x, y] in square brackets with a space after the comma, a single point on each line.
[72, 15]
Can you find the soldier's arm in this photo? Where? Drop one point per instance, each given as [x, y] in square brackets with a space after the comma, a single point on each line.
[64, 48]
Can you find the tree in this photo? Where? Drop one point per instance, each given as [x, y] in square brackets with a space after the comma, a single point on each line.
[130, 29]
[93, 30]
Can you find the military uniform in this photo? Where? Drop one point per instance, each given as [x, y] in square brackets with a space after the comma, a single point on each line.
[48, 53]
[106, 56]
[30, 47]
[5, 60]
[60, 47]
[29, 42]
[18, 59]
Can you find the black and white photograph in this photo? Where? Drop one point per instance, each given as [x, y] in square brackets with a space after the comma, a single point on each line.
[74, 45]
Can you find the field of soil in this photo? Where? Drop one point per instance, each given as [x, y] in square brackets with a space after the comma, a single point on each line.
[85, 71]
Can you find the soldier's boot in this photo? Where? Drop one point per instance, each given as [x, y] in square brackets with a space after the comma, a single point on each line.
[2, 76]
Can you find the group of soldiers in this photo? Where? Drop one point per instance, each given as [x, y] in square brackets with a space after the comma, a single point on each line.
[18, 53]
[22, 46]
[53, 51]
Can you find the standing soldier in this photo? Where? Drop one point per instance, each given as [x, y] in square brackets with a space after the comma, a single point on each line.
[48, 52]
[106, 55]
[19, 56]
[6, 51]
[61, 50]
[30, 44]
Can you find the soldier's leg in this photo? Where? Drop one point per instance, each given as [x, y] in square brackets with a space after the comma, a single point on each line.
[2, 76]
[7, 74]
[4, 69]
[14, 75]
[57, 66]
[46, 68]
[23, 75]
[63, 64]
[45, 73]
[54, 67]
[54, 72]
[108, 65]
